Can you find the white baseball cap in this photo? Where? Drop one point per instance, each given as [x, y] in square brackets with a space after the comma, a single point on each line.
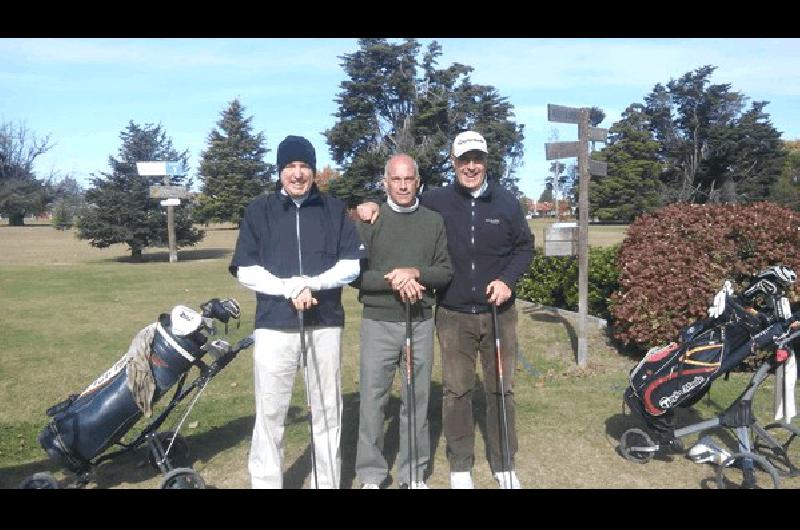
[184, 320]
[468, 141]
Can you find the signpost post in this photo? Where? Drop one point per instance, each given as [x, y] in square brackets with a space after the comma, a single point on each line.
[171, 195]
[580, 150]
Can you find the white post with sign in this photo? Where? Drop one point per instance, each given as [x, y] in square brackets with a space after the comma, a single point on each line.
[171, 195]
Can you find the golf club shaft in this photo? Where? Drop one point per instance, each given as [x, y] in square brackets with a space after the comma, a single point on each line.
[304, 352]
[410, 404]
[499, 359]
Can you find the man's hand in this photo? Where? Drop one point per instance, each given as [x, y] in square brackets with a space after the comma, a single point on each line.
[367, 212]
[411, 291]
[498, 292]
[304, 300]
[398, 277]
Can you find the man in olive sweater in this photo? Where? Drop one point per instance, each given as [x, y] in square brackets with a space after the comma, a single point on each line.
[407, 260]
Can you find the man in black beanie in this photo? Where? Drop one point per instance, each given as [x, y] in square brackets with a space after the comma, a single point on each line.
[296, 249]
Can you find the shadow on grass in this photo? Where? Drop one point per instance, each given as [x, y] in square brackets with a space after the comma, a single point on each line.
[132, 467]
[553, 317]
[183, 255]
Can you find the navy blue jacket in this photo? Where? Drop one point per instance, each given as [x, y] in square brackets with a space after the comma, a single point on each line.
[488, 238]
[268, 236]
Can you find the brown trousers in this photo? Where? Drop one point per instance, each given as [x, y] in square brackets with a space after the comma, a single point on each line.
[462, 337]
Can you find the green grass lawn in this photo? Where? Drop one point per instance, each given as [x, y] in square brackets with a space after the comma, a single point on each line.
[71, 312]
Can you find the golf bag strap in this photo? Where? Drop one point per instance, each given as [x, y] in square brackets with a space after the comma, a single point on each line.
[178, 348]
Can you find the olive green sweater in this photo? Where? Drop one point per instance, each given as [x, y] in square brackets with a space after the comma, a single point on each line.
[400, 240]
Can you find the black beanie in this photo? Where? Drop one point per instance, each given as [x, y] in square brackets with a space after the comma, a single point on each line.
[296, 148]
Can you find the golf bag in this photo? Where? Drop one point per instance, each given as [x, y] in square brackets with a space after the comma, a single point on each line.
[680, 373]
[86, 424]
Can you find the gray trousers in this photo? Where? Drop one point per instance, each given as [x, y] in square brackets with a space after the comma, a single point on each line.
[382, 353]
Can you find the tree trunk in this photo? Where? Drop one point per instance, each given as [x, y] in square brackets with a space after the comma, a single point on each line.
[16, 219]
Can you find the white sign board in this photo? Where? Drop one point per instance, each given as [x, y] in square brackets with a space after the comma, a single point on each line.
[160, 169]
[171, 202]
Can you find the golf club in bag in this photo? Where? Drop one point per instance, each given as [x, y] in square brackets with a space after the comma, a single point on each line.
[85, 425]
[504, 426]
[411, 405]
[304, 353]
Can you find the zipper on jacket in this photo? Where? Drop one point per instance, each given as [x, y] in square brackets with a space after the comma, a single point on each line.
[299, 252]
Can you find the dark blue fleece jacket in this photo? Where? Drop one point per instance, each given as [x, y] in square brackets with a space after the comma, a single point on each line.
[488, 238]
[269, 236]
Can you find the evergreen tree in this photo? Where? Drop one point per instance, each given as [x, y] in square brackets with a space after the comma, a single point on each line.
[632, 186]
[232, 168]
[709, 148]
[120, 210]
[393, 102]
[21, 192]
[786, 190]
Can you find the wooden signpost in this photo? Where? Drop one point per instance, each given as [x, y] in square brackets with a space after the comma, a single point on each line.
[580, 150]
[171, 195]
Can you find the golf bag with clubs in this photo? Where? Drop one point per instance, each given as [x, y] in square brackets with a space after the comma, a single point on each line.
[679, 374]
[84, 425]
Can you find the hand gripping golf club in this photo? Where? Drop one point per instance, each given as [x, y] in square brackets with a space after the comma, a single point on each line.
[498, 359]
[411, 407]
[304, 352]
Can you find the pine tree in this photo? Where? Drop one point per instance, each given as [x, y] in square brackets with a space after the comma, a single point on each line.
[632, 185]
[120, 210]
[393, 102]
[232, 168]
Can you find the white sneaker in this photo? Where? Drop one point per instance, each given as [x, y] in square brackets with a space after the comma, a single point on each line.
[370, 487]
[420, 485]
[507, 481]
[461, 480]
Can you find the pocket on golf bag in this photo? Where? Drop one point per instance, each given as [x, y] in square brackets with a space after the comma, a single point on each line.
[676, 374]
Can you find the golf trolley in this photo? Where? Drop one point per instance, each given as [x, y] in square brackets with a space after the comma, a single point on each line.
[85, 425]
[679, 374]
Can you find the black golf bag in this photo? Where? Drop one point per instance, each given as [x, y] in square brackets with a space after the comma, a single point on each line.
[680, 373]
[86, 424]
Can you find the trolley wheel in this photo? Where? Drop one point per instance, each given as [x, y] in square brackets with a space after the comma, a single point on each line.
[40, 481]
[178, 455]
[183, 478]
[636, 446]
[760, 474]
[786, 456]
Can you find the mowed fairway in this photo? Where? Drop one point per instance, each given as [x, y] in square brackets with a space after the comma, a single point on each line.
[70, 311]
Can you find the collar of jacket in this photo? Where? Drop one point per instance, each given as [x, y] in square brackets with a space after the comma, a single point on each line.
[313, 197]
[464, 192]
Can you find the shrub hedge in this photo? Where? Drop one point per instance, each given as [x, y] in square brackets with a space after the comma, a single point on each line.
[675, 259]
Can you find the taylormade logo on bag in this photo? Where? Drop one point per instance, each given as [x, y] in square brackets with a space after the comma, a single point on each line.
[669, 401]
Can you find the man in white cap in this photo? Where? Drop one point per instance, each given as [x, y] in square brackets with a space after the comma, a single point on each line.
[490, 247]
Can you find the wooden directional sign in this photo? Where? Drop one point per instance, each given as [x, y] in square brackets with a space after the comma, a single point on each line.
[168, 192]
[596, 134]
[561, 114]
[598, 168]
[558, 150]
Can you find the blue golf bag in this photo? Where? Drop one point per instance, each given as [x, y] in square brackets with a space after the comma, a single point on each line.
[84, 425]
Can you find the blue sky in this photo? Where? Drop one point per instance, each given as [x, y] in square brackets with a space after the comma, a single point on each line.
[84, 91]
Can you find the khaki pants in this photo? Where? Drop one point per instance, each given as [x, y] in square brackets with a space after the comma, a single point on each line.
[462, 337]
[276, 360]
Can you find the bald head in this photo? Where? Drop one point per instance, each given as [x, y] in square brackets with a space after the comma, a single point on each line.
[401, 179]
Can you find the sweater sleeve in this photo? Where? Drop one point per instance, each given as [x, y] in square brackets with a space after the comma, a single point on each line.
[440, 272]
[522, 252]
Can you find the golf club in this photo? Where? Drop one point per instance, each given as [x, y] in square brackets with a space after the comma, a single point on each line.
[304, 352]
[411, 408]
[498, 359]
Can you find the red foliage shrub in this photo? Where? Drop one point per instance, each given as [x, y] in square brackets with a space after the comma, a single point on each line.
[675, 259]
